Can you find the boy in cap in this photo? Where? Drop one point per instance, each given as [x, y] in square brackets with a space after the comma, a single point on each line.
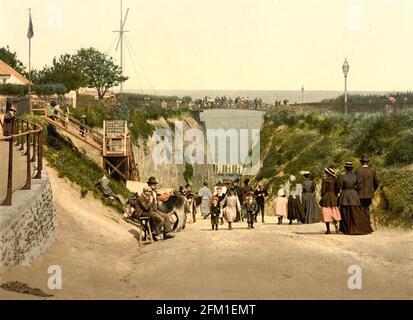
[251, 208]
[215, 212]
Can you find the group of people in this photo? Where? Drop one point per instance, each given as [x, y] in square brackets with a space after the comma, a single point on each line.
[345, 199]
[229, 102]
[232, 203]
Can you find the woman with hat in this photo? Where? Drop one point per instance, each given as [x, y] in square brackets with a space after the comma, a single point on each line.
[311, 210]
[354, 221]
[329, 201]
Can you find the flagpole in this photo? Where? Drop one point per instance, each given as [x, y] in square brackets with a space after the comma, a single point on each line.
[30, 70]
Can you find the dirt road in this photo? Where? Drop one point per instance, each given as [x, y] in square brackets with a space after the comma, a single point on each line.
[100, 259]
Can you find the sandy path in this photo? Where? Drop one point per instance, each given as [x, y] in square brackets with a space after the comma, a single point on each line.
[100, 258]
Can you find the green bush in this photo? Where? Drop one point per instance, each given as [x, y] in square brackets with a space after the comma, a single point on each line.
[13, 89]
[396, 205]
[79, 169]
[401, 152]
[39, 89]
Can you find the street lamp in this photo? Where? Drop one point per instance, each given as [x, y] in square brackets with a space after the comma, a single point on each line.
[302, 94]
[345, 67]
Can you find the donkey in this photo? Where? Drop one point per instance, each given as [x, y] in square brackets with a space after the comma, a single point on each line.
[177, 207]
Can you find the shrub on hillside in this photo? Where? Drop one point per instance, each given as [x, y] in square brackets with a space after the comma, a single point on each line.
[396, 205]
[70, 163]
[401, 151]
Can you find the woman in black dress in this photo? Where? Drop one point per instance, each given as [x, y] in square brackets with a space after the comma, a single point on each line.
[353, 219]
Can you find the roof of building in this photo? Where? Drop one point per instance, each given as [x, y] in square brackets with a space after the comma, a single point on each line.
[5, 69]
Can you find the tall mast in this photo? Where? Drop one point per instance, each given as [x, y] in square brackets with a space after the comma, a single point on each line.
[121, 32]
[121, 42]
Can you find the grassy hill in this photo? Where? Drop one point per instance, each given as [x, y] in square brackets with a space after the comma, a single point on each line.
[291, 142]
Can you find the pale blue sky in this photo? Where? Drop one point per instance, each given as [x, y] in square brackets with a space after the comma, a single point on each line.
[230, 44]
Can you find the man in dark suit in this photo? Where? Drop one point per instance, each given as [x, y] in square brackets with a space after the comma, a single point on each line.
[367, 184]
[260, 194]
[144, 207]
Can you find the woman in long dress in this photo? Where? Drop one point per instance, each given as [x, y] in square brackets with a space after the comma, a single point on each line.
[353, 219]
[232, 206]
[329, 202]
[295, 206]
[311, 210]
[205, 195]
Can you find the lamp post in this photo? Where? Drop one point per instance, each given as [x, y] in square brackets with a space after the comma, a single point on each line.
[345, 67]
[302, 94]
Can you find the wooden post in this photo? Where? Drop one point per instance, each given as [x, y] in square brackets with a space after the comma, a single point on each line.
[28, 184]
[39, 156]
[34, 145]
[7, 200]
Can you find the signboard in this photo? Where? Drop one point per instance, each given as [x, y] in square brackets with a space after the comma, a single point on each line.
[115, 126]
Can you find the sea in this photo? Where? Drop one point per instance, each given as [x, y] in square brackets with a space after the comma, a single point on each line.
[267, 96]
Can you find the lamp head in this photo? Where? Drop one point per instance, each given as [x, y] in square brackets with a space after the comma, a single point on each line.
[346, 67]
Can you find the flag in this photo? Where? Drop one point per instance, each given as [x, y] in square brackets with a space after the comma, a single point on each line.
[30, 32]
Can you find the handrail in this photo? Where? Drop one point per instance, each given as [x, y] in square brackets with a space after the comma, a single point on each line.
[34, 138]
[74, 127]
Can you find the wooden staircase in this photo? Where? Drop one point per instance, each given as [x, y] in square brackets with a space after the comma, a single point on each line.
[96, 140]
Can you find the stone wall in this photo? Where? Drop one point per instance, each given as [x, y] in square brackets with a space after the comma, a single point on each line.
[28, 227]
[170, 175]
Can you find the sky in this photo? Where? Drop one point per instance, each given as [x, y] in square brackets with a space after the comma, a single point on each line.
[228, 44]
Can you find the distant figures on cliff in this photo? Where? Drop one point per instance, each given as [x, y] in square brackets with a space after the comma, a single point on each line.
[230, 103]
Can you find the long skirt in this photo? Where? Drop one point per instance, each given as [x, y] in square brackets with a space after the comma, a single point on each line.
[295, 209]
[354, 220]
[205, 207]
[311, 210]
[331, 214]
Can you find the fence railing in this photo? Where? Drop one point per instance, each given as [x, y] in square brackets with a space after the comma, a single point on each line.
[27, 137]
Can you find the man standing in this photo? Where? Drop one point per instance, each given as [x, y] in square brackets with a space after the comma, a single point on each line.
[9, 121]
[367, 184]
[260, 194]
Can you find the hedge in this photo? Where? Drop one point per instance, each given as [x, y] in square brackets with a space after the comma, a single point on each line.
[40, 89]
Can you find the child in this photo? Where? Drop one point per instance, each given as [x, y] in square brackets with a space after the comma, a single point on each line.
[215, 212]
[251, 208]
[329, 200]
[281, 205]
